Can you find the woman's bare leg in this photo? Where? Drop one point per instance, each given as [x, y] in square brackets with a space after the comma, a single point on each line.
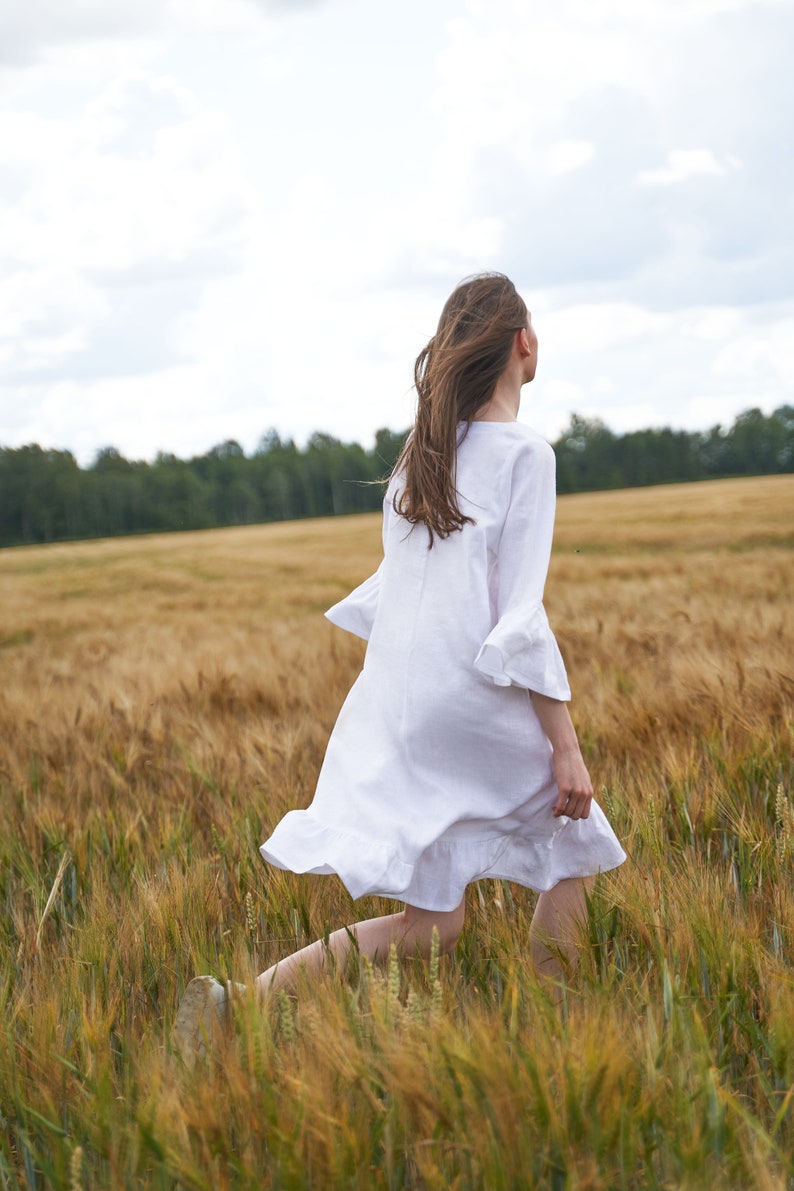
[204, 1009]
[411, 932]
[557, 926]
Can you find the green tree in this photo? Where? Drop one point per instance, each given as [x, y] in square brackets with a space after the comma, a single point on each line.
[586, 456]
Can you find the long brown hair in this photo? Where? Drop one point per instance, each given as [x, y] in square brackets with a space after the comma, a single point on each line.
[455, 374]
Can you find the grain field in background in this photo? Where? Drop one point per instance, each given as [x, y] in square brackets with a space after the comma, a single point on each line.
[164, 700]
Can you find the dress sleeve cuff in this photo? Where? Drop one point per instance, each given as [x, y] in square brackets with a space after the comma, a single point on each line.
[356, 612]
[525, 654]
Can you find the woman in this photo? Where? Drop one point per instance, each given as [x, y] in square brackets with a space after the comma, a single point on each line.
[454, 757]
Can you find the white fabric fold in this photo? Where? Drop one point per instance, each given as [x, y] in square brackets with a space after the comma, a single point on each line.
[521, 650]
[356, 612]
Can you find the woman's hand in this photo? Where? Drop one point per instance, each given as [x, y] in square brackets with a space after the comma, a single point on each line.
[573, 783]
[570, 772]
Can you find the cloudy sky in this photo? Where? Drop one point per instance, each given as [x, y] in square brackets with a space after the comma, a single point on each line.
[221, 216]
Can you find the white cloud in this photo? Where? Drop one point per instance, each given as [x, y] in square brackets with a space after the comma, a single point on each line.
[225, 215]
[601, 326]
[637, 83]
[717, 324]
[25, 29]
[50, 300]
[567, 155]
[761, 357]
[683, 164]
[28, 30]
[96, 209]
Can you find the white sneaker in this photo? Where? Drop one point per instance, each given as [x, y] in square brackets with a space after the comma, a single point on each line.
[202, 1016]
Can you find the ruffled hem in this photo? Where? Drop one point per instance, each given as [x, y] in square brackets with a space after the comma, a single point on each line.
[356, 612]
[521, 652]
[438, 878]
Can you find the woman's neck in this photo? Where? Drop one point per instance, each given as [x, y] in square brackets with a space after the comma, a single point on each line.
[505, 399]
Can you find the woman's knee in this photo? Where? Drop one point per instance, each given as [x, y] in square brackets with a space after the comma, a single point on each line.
[448, 924]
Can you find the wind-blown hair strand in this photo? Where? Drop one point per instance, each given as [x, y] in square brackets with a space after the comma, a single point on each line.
[455, 375]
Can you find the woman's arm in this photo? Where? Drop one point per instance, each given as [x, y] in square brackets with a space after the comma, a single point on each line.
[570, 771]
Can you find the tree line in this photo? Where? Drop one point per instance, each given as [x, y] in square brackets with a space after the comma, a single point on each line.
[45, 496]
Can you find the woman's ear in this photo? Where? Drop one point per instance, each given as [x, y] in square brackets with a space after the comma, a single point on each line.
[524, 346]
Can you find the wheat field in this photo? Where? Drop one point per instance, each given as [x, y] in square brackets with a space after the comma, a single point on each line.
[164, 700]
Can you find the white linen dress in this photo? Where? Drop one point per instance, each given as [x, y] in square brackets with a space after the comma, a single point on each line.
[438, 772]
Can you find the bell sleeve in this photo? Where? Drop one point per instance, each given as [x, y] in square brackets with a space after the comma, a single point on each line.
[520, 649]
[356, 612]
